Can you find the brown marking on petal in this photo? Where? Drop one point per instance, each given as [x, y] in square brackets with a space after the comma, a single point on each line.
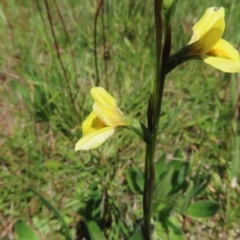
[216, 9]
[97, 123]
[195, 48]
[212, 53]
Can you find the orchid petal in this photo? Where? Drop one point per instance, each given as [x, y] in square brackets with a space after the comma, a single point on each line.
[210, 39]
[110, 116]
[92, 124]
[224, 49]
[223, 64]
[94, 139]
[101, 96]
[212, 18]
[206, 43]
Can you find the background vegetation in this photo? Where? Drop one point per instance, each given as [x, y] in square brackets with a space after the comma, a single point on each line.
[43, 103]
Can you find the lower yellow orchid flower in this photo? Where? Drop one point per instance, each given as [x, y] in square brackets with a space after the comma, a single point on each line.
[207, 43]
[102, 121]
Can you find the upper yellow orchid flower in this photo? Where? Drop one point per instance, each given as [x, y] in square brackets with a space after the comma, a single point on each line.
[207, 43]
[102, 121]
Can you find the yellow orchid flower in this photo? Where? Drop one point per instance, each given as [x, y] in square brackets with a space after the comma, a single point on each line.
[207, 43]
[102, 121]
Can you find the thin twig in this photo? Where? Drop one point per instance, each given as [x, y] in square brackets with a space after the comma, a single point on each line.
[95, 42]
[59, 57]
[67, 36]
[105, 51]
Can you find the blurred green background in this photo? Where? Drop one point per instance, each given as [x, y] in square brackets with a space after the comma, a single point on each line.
[43, 104]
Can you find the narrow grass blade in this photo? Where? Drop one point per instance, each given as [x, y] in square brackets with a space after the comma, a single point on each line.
[235, 96]
[94, 231]
[56, 212]
[137, 235]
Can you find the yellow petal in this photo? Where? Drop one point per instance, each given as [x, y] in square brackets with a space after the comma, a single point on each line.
[210, 39]
[206, 43]
[224, 49]
[101, 96]
[212, 18]
[92, 124]
[95, 139]
[223, 64]
[111, 116]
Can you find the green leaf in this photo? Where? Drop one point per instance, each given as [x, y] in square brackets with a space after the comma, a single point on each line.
[175, 164]
[203, 208]
[164, 186]
[160, 231]
[159, 166]
[137, 235]
[181, 170]
[94, 231]
[24, 232]
[140, 180]
[175, 229]
[184, 202]
[178, 154]
[200, 183]
[135, 180]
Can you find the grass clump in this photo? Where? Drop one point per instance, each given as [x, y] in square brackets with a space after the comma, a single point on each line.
[43, 103]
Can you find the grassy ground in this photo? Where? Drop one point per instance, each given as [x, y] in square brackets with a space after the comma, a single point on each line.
[41, 109]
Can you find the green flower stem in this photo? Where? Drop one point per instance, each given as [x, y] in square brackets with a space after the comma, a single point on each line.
[148, 192]
[146, 212]
[155, 108]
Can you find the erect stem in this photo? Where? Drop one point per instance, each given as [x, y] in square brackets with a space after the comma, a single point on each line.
[95, 41]
[153, 120]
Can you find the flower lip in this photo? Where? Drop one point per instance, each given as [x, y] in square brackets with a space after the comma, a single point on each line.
[94, 139]
[92, 124]
[225, 50]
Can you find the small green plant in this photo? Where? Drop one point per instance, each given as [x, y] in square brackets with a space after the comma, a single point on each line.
[166, 187]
